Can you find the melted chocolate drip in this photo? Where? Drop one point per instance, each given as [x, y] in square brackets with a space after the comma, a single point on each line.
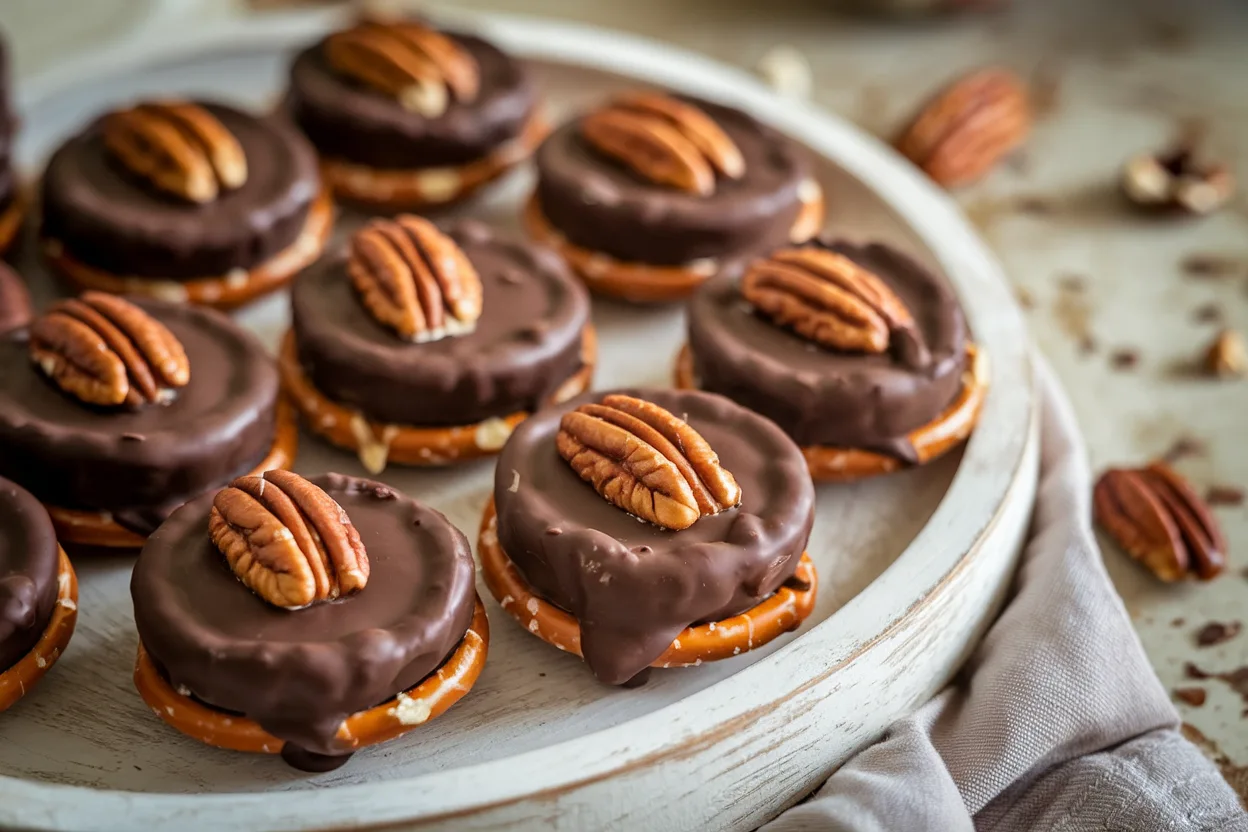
[28, 572]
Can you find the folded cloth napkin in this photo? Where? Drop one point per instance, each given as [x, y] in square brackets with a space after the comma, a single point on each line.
[1056, 722]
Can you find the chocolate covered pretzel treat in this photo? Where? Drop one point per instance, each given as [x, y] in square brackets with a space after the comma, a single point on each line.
[185, 201]
[651, 194]
[115, 411]
[407, 117]
[38, 594]
[423, 347]
[859, 353]
[12, 209]
[309, 618]
[15, 307]
[650, 528]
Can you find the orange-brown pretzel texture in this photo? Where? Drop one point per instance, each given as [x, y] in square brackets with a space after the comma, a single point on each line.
[379, 443]
[11, 222]
[643, 282]
[945, 432]
[98, 528]
[16, 681]
[221, 292]
[389, 191]
[782, 612]
[395, 717]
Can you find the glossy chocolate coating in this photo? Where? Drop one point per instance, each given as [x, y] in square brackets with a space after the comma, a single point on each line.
[600, 205]
[141, 464]
[15, 309]
[108, 218]
[300, 673]
[632, 585]
[823, 397]
[28, 567]
[347, 120]
[527, 341]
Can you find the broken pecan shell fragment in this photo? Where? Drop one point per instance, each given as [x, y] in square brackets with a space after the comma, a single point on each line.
[179, 147]
[1155, 516]
[106, 351]
[1175, 179]
[415, 279]
[287, 540]
[646, 461]
[664, 140]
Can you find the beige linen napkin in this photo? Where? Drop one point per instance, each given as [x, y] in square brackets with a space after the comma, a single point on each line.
[1057, 722]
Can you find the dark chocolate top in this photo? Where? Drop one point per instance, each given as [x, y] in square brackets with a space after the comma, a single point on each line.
[28, 572]
[108, 218]
[823, 397]
[347, 120]
[527, 341]
[141, 464]
[599, 204]
[300, 673]
[632, 585]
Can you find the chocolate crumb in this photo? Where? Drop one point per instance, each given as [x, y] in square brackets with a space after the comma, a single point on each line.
[1178, 622]
[1216, 632]
[1087, 345]
[1192, 696]
[1124, 358]
[1191, 671]
[1208, 313]
[1184, 446]
[1224, 495]
[1212, 266]
[543, 675]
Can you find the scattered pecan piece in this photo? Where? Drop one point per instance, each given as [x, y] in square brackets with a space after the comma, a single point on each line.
[646, 461]
[179, 147]
[1194, 696]
[1224, 495]
[1227, 356]
[287, 540]
[1159, 520]
[414, 279]
[1174, 179]
[827, 298]
[1216, 632]
[416, 65]
[969, 127]
[106, 351]
[665, 140]
[15, 308]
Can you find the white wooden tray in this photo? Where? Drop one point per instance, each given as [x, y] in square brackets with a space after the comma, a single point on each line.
[911, 567]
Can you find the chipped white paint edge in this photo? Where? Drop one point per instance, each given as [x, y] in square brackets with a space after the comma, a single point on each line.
[828, 692]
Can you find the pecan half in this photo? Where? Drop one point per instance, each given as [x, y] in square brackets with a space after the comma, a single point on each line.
[287, 540]
[418, 66]
[414, 279]
[1159, 520]
[1175, 179]
[827, 298]
[665, 140]
[968, 127]
[179, 147]
[106, 351]
[646, 461]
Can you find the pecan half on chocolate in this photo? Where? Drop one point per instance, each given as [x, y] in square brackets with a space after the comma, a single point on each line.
[664, 140]
[1175, 179]
[643, 459]
[1159, 520]
[179, 147]
[414, 279]
[419, 67]
[106, 351]
[968, 127]
[826, 298]
[287, 540]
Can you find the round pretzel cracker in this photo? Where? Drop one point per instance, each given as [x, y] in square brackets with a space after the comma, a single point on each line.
[379, 443]
[644, 282]
[11, 222]
[391, 191]
[98, 528]
[392, 718]
[223, 292]
[780, 613]
[17, 681]
[946, 431]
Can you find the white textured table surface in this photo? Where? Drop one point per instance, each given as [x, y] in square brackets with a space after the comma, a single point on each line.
[1114, 77]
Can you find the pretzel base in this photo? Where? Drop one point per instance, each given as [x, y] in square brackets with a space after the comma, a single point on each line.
[378, 443]
[11, 222]
[17, 680]
[645, 282]
[405, 712]
[98, 528]
[223, 292]
[780, 613]
[389, 190]
[945, 432]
